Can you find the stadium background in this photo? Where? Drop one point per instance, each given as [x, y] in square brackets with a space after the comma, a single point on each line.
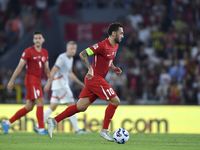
[159, 55]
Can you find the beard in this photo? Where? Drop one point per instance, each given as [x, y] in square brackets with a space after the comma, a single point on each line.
[117, 40]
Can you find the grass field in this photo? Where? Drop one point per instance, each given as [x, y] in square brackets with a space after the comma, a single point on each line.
[92, 141]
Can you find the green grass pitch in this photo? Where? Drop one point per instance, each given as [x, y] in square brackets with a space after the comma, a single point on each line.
[92, 141]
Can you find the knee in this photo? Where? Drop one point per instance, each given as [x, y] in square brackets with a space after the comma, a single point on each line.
[115, 101]
[29, 108]
[40, 103]
[52, 107]
[82, 108]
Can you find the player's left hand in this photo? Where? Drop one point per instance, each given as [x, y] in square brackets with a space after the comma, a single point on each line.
[117, 70]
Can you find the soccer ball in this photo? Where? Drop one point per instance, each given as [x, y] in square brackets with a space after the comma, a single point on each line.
[121, 136]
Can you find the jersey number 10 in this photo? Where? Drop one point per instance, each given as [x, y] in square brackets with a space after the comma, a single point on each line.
[110, 91]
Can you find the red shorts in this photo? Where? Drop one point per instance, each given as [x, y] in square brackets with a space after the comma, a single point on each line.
[97, 87]
[34, 91]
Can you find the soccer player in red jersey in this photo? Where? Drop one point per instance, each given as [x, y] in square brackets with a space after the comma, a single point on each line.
[95, 85]
[35, 58]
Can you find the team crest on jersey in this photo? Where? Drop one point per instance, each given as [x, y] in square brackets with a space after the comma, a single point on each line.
[95, 46]
[43, 59]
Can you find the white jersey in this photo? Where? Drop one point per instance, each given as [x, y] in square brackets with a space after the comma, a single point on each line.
[60, 80]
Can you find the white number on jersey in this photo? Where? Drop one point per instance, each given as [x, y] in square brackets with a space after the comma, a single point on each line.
[110, 91]
[40, 64]
[110, 62]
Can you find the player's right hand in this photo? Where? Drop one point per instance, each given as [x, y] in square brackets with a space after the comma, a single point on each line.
[10, 85]
[90, 74]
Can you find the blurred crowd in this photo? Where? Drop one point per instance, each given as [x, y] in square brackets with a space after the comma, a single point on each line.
[159, 55]
[18, 17]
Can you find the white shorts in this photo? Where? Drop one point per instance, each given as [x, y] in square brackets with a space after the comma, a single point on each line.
[62, 96]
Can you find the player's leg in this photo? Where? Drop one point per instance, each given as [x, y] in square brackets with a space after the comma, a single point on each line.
[49, 110]
[38, 93]
[54, 101]
[39, 114]
[109, 113]
[74, 121]
[81, 106]
[105, 91]
[20, 113]
[47, 113]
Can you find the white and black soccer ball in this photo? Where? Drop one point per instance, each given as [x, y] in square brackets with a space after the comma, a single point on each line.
[121, 136]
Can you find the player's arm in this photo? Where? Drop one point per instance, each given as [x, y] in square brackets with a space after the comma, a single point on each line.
[15, 74]
[47, 70]
[52, 73]
[84, 58]
[73, 77]
[117, 70]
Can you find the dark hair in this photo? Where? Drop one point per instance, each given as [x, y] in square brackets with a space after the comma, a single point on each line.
[38, 32]
[114, 27]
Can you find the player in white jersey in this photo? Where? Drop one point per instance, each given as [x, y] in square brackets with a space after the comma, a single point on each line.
[61, 92]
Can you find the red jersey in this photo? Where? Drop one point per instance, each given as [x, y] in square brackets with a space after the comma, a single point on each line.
[104, 54]
[34, 64]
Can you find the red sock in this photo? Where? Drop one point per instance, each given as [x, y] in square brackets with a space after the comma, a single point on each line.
[20, 113]
[71, 110]
[110, 110]
[40, 116]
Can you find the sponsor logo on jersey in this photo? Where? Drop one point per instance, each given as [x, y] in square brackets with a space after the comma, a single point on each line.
[95, 46]
[108, 54]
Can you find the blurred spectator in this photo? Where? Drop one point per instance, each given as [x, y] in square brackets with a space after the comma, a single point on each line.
[14, 29]
[195, 51]
[182, 45]
[164, 85]
[177, 70]
[67, 7]
[134, 17]
[168, 61]
[133, 42]
[170, 37]
[158, 8]
[158, 41]
[41, 5]
[179, 23]
[143, 33]
[175, 94]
